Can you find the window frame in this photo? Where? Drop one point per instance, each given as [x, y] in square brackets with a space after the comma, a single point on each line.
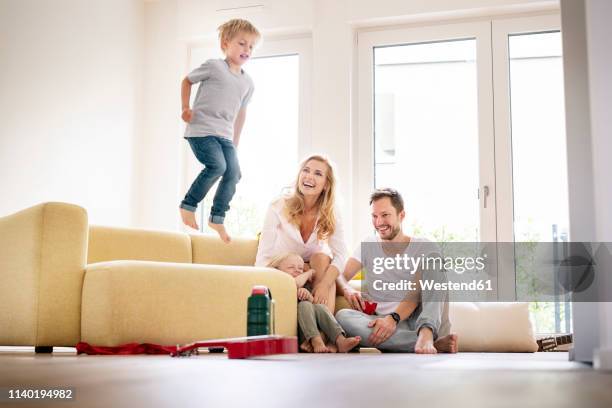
[364, 141]
[500, 30]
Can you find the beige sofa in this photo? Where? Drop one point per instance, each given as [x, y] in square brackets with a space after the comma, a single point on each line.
[63, 281]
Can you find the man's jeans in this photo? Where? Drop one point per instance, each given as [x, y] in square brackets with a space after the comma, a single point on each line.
[432, 312]
[218, 155]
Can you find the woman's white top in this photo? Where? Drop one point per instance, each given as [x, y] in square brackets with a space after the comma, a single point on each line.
[279, 236]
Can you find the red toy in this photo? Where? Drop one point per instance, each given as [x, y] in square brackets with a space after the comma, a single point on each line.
[370, 307]
[243, 347]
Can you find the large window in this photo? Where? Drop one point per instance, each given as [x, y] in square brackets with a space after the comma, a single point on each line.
[426, 134]
[273, 137]
[467, 121]
[425, 122]
[539, 165]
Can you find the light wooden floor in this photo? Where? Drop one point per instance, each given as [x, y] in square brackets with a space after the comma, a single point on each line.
[348, 380]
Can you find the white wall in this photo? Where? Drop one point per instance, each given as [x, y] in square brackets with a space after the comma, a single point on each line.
[200, 18]
[158, 169]
[69, 99]
[333, 43]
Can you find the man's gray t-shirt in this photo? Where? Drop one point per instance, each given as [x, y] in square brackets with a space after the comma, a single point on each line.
[375, 249]
[220, 97]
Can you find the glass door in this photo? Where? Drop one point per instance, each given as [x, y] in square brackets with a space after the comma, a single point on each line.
[531, 153]
[426, 127]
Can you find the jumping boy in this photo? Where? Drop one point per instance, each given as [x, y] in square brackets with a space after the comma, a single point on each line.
[215, 122]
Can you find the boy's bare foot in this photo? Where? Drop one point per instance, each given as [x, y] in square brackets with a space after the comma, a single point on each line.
[447, 344]
[347, 344]
[319, 345]
[189, 219]
[220, 228]
[306, 346]
[425, 343]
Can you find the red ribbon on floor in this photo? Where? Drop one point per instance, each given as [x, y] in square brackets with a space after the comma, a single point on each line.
[124, 349]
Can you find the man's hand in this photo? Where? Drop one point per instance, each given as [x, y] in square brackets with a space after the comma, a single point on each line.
[353, 297]
[382, 329]
[186, 115]
[304, 294]
[320, 292]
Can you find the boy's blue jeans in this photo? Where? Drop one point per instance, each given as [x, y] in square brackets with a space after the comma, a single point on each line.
[218, 155]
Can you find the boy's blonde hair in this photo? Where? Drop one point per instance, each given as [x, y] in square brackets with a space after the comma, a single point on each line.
[278, 259]
[231, 28]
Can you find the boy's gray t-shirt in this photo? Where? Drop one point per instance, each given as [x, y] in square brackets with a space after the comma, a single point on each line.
[219, 98]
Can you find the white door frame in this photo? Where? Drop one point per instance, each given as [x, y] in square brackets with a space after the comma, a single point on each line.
[500, 30]
[363, 166]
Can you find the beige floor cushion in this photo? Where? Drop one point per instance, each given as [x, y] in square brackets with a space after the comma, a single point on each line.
[493, 327]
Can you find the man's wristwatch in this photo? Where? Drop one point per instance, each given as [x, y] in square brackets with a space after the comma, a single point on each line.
[395, 317]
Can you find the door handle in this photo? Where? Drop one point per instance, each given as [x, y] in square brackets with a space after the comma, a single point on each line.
[485, 194]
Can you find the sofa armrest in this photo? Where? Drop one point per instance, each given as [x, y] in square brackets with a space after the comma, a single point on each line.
[42, 261]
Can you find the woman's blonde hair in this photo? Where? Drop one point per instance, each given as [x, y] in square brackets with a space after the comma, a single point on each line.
[278, 259]
[294, 202]
[231, 28]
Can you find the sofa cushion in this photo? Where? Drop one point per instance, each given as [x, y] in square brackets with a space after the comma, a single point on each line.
[112, 243]
[169, 303]
[209, 249]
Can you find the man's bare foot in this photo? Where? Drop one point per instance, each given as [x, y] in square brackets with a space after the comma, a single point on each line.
[447, 344]
[220, 228]
[189, 219]
[346, 344]
[306, 346]
[319, 345]
[425, 343]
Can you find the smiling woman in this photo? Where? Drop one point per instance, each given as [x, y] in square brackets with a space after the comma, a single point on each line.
[306, 222]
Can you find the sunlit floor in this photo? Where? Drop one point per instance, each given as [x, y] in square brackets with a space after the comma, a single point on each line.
[367, 379]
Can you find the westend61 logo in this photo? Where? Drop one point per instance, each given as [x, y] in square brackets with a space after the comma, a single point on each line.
[411, 264]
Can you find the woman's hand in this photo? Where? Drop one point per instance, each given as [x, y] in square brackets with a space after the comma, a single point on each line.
[354, 299]
[320, 292]
[304, 294]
